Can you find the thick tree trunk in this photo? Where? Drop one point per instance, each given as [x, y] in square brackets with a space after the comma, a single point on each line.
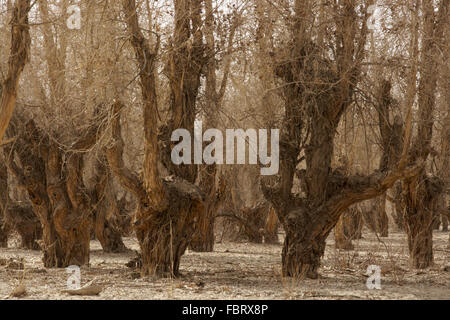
[3, 237]
[164, 238]
[56, 191]
[71, 211]
[105, 231]
[304, 244]
[14, 216]
[204, 240]
[167, 211]
[421, 193]
[420, 201]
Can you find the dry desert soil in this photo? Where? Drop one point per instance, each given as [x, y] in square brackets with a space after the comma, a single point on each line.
[238, 271]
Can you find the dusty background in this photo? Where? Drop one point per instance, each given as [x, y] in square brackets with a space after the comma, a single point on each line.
[240, 271]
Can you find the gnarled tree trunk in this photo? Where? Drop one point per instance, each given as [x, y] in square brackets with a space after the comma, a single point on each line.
[56, 191]
[167, 210]
[312, 113]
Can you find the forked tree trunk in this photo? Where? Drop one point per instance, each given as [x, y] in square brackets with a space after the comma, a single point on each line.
[71, 209]
[313, 109]
[164, 238]
[167, 211]
[204, 239]
[56, 191]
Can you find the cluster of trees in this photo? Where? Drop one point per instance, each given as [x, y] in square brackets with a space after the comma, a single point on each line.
[86, 118]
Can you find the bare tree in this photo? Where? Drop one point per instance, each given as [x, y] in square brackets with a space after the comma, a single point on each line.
[20, 47]
[420, 192]
[317, 90]
[167, 210]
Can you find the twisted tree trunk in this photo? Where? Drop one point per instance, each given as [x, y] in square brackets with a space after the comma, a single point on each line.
[313, 110]
[167, 210]
[56, 191]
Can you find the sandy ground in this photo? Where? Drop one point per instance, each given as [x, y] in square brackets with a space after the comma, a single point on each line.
[241, 271]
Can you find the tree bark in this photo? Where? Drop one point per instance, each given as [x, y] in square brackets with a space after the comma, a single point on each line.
[56, 191]
[348, 228]
[22, 219]
[312, 113]
[167, 210]
[420, 193]
[420, 201]
[107, 219]
[4, 229]
[19, 55]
